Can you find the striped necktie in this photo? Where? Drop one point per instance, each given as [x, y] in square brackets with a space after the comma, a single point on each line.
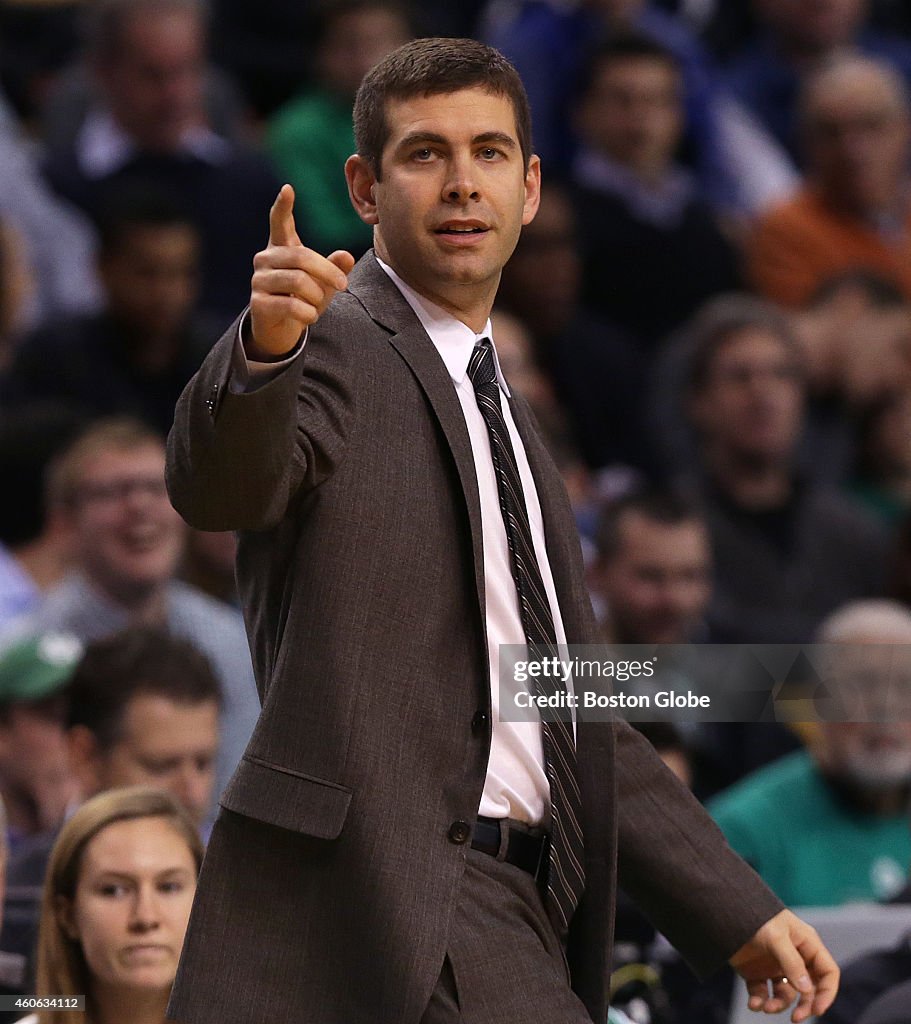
[566, 875]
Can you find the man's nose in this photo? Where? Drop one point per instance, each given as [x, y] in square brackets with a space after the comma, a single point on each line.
[193, 788]
[461, 185]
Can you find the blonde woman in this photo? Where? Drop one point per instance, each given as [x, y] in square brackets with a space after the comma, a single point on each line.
[117, 898]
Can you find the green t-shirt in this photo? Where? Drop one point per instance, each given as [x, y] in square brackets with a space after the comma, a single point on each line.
[806, 843]
[310, 139]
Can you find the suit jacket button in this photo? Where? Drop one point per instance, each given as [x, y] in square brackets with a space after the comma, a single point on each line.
[479, 722]
[459, 832]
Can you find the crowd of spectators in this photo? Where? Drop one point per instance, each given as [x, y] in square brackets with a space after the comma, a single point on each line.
[710, 317]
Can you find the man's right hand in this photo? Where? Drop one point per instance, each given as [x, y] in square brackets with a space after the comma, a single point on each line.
[292, 285]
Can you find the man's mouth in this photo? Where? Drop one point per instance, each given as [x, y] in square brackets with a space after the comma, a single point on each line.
[467, 228]
[141, 539]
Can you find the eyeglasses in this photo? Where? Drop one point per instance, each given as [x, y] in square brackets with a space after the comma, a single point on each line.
[115, 491]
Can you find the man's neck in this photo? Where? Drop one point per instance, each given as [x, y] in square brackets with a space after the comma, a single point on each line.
[470, 303]
[145, 605]
[757, 485]
[885, 802]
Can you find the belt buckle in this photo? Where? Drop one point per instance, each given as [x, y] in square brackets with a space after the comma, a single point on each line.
[543, 866]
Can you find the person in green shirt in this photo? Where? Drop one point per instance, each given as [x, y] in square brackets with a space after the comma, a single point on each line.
[829, 825]
[310, 138]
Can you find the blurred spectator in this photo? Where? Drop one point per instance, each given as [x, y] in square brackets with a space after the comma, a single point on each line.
[48, 271]
[856, 339]
[265, 46]
[653, 571]
[787, 550]
[518, 361]
[36, 783]
[142, 709]
[596, 369]
[883, 474]
[643, 230]
[110, 489]
[855, 209]
[75, 93]
[312, 136]
[550, 42]
[150, 125]
[830, 825]
[34, 547]
[36, 41]
[652, 581]
[121, 879]
[136, 355]
[794, 38]
[208, 564]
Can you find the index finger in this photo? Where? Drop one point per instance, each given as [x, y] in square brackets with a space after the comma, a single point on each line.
[282, 230]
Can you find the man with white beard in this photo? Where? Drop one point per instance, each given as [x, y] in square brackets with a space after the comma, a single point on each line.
[829, 825]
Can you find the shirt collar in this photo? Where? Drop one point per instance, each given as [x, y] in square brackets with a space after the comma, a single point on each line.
[103, 147]
[451, 338]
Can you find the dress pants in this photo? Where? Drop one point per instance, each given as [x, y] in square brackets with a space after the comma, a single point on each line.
[504, 963]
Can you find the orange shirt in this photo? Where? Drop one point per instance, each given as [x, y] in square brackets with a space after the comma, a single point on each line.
[798, 245]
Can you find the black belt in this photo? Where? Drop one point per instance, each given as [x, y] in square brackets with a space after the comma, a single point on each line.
[525, 850]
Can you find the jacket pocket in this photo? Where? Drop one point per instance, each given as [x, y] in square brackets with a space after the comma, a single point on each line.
[286, 798]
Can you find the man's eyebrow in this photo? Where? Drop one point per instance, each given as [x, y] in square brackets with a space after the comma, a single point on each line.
[501, 137]
[414, 138]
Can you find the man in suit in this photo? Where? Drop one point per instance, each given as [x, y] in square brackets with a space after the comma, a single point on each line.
[391, 849]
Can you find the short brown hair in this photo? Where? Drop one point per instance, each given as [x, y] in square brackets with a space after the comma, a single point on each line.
[107, 22]
[119, 434]
[138, 662]
[723, 318]
[431, 67]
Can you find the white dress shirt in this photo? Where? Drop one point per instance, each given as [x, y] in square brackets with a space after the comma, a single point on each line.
[516, 785]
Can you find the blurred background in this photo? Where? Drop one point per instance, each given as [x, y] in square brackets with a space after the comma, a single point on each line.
[710, 316]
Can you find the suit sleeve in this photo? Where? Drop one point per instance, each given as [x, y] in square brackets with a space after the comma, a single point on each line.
[236, 459]
[675, 863]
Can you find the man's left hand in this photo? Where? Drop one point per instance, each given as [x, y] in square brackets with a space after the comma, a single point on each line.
[787, 954]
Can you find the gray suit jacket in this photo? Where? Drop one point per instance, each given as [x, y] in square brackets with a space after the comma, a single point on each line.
[331, 876]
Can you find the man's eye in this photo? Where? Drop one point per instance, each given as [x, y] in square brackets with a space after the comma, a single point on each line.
[423, 154]
[489, 153]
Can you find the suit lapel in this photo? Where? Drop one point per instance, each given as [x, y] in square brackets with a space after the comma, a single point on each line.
[386, 305]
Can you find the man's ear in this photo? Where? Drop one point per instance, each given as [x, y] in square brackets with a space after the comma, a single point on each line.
[85, 759]
[532, 190]
[361, 188]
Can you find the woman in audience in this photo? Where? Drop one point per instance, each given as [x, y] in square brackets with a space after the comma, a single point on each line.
[117, 899]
